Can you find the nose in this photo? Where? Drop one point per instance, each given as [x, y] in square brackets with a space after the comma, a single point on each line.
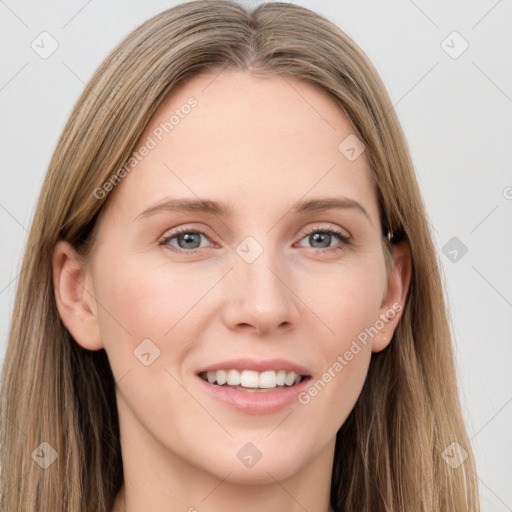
[260, 297]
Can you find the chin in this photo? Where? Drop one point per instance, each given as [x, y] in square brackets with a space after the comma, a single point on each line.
[259, 462]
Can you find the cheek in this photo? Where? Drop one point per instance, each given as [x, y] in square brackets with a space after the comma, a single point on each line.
[138, 301]
[345, 299]
[347, 302]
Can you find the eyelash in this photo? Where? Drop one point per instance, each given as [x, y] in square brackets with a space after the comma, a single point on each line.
[345, 240]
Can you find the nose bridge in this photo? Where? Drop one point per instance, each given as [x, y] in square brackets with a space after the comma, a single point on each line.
[259, 294]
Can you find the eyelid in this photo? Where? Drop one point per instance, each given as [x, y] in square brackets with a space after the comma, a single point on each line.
[343, 233]
[171, 233]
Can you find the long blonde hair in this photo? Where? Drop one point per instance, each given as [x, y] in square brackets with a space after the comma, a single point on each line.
[389, 453]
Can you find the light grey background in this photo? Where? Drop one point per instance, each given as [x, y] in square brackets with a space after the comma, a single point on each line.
[457, 115]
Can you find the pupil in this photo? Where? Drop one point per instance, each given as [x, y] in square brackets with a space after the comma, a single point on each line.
[188, 238]
[322, 237]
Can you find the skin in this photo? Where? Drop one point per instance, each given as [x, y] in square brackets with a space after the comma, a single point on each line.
[256, 144]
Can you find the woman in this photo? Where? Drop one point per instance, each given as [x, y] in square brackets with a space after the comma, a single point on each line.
[230, 297]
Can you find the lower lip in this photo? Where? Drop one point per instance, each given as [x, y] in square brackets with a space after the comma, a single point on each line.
[256, 402]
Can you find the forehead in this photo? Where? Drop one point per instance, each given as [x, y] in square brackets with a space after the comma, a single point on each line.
[236, 137]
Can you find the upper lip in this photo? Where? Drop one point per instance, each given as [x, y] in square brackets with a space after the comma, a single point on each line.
[257, 365]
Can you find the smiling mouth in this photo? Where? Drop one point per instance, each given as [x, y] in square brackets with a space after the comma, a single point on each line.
[253, 381]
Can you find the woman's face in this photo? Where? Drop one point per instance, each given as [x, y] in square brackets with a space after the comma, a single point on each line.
[246, 239]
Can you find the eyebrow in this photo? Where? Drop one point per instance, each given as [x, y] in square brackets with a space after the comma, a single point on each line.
[224, 210]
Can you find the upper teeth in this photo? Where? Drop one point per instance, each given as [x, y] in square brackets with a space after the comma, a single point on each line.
[252, 379]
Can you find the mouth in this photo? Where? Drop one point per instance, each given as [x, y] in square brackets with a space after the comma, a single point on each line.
[252, 386]
[252, 380]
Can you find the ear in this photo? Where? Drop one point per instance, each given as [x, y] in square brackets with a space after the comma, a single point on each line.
[74, 295]
[393, 302]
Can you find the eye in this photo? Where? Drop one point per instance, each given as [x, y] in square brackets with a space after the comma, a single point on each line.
[188, 240]
[184, 240]
[322, 238]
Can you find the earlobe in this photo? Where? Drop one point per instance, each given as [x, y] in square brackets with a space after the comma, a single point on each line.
[74, 297]
[396, 293]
